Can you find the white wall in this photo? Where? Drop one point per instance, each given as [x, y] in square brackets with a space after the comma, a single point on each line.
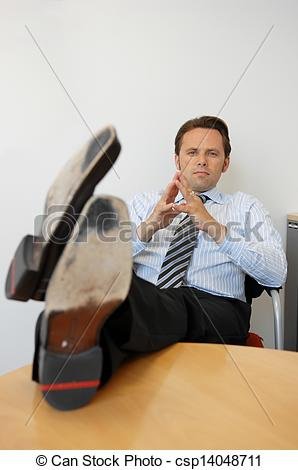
[146, 67]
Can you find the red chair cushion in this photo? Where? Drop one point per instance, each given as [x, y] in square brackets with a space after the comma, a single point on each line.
[254, 340]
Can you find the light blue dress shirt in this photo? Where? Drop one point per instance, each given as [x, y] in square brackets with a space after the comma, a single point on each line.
[252, 245]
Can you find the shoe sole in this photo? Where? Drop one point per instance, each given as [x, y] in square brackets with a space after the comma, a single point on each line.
[36, 256]
[78, 302]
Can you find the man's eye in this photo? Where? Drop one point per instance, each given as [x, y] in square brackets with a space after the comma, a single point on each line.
[191, 153]
[214, 154]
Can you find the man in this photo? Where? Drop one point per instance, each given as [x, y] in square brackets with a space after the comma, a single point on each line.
[192, 247]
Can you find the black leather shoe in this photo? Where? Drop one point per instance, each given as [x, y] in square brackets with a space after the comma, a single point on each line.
[36, 256]
[91, 279]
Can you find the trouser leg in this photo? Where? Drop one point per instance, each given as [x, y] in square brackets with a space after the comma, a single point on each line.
[153, 318]
[146, 321]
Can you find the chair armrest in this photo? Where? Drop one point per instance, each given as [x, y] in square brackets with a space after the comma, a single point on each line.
[278, 319]
[252, 290]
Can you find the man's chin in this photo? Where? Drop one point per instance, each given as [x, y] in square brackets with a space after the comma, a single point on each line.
[200, 188]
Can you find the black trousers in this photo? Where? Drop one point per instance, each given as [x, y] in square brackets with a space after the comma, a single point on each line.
[151, 318]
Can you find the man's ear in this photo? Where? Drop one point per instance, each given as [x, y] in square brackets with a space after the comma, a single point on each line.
[225, 164]
[177, 162]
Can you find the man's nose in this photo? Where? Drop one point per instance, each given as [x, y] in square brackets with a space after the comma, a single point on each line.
[201, 159]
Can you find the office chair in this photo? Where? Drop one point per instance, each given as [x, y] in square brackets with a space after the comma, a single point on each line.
[253, 290]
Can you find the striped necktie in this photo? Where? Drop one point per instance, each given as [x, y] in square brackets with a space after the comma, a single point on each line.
[179, 253]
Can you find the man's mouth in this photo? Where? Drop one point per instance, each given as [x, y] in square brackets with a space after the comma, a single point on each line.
[201, 173]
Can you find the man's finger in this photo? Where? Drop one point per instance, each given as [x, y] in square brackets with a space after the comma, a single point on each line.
[181, 207]
[167, 191]
[183, 190]
[185, 183]
[183, 179]
[177, 174]
[169, 207]
[171, 192]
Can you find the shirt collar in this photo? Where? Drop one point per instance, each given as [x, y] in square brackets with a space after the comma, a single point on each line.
[214, 194]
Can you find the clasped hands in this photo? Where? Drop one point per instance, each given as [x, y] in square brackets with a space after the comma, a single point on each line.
[166, 210]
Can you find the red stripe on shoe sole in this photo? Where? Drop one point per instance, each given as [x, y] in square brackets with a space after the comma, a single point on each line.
[69, 385]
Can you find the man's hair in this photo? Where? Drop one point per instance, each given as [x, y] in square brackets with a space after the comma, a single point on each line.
[205, 122]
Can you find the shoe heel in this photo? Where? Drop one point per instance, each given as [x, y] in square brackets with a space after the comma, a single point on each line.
[69, 381]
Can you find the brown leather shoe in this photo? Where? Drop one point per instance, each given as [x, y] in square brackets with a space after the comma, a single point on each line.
[91, 279]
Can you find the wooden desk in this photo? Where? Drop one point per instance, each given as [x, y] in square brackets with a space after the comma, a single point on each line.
[188, 396]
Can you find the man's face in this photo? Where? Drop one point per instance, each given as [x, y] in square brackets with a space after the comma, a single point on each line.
[201, 158]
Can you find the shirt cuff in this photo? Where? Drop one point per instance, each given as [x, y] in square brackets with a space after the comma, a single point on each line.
[137, 244]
